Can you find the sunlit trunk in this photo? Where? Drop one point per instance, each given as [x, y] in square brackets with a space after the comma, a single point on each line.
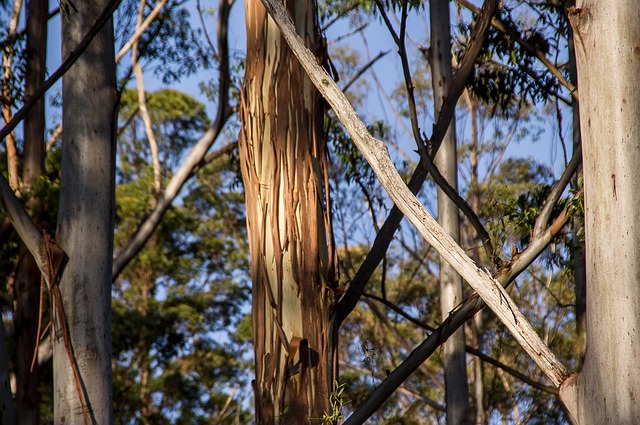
[607, 36]
[283, 160]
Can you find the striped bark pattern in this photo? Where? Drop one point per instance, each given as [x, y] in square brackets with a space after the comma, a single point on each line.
[283, 162]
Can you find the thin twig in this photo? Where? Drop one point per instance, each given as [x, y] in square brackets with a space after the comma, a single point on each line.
[140, 30]
[364, 69]
[142, 104]
[10, 39]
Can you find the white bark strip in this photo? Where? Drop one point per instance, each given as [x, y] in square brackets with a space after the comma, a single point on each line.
[378, 158]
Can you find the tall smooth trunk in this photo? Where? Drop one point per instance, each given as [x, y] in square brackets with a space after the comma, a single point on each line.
[283, 160]
[607, 37]
[456, 386]
[86, 218]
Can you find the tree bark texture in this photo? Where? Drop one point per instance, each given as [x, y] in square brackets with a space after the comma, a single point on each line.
[86, 219]
[455, 365]
[607, 38]
[283, 160]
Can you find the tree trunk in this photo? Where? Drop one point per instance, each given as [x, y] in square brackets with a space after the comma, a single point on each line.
[607, 37]
[475, 242]
[577, 250]
[455, 366]
[85, 220]
[27, 280]
[34, 124]
[283, 160]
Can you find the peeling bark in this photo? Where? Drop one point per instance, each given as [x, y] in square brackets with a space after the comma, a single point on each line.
[283, 160]
[377, 155]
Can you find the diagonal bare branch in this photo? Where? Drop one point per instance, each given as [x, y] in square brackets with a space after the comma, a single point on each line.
[376, 153]
[470, 306]
[364, 69]
[140, 29]
[142, 104]
[27, 230]
[385, 235]
[471, 350]
[455, 320]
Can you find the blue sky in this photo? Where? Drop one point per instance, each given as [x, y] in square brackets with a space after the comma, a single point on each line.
[546, 150]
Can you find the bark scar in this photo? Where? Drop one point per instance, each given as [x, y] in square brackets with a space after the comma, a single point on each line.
[615, 195]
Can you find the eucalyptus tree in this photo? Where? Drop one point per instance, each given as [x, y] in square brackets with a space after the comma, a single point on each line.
[284, 169]
[488, 287]
[77, 180]
[608, 56]
[82, 358]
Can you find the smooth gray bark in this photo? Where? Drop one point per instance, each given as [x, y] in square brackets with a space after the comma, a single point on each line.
[607, 37]
[85, 220]
[455, 365]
